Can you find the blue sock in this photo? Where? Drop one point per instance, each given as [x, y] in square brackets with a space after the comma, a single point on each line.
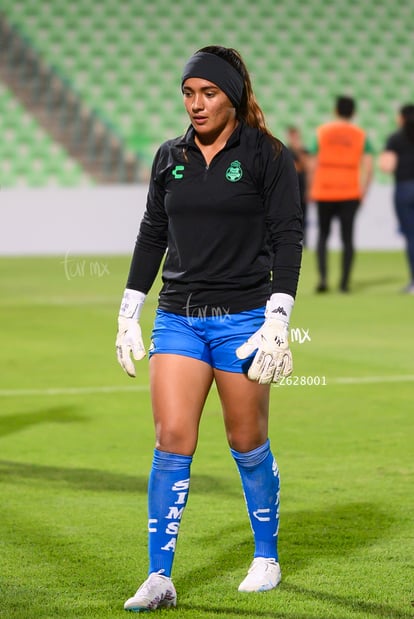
[168, 488]
[260, 479]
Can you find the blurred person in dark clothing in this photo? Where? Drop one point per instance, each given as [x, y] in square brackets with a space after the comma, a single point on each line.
[397, 158]
[300, 157]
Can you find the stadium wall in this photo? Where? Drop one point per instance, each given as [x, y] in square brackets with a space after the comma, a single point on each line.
[105, 220]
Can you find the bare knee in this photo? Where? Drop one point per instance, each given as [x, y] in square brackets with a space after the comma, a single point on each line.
[175, 440]
[246, 441]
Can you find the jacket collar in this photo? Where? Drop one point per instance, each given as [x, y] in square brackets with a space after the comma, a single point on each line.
[188, 138]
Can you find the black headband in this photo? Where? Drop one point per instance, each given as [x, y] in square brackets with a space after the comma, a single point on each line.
[214, 69]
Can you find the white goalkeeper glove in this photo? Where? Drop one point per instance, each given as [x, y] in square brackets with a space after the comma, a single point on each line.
[129, 338]
[273, 358]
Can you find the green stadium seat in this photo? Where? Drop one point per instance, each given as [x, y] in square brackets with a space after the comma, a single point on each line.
[125, 59]
[27, 154]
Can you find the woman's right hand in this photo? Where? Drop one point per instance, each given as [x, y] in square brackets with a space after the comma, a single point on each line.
[129, 338]
[129, 342]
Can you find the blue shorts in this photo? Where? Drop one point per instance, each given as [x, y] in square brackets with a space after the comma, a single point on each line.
[213, 339]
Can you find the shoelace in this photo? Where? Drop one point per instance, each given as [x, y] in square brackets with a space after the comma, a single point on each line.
[144, 588]
[259, 560]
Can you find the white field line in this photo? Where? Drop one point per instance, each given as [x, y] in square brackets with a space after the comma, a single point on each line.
[346, 380]
[71, 390]
[361, 380]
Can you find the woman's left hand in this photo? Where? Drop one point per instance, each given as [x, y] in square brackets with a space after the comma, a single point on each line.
[273, 358]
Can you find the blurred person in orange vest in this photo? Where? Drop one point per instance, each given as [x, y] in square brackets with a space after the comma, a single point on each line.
[340, 172]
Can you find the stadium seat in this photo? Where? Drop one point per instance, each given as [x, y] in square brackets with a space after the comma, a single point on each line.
[27, 154]
[125, 59]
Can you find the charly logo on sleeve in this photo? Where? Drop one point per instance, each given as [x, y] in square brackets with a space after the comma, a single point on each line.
[234, 172]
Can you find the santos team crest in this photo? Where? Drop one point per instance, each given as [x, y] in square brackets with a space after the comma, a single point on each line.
[234, 172]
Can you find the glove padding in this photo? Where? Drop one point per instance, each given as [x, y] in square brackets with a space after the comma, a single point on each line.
[129, 341]
[273, 358]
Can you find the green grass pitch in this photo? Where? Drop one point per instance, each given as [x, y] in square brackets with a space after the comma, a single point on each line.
[76, 443]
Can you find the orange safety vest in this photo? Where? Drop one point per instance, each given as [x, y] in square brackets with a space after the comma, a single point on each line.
[340, 150]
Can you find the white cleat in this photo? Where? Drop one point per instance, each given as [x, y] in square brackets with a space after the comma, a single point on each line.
[157, 591]
[263, 574]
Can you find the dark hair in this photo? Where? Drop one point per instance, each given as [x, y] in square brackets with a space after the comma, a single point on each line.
[249, 110]
[345, 106]
[407, 115]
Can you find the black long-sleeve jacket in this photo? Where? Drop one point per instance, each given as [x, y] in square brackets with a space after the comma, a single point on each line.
[231, 230]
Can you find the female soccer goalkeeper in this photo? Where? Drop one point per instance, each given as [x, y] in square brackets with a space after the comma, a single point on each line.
[223, 202]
